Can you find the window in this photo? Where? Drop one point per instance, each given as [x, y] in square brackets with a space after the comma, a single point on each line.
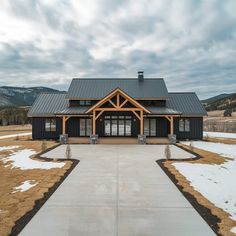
[150, 127]
[85, 102]
[85, 127]
[50, 125]
[184, 125]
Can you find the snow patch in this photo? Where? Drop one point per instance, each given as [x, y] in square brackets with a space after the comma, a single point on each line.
[214, 182]
[26, 185]
[226, 150]
[8, 148]
[233, 230]
[219, 135]
[22, 160]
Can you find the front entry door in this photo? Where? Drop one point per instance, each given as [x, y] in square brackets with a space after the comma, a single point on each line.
[117, 125]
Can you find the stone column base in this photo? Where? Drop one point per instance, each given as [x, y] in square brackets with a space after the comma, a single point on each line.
[172, 138]
[142, 139]
[93, 139]
[63, 138]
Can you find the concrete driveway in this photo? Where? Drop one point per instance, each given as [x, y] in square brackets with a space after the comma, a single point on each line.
[117, 190]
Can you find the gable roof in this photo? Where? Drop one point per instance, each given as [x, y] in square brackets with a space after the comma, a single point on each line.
[186, 103]
[99, 88]
[112, 94]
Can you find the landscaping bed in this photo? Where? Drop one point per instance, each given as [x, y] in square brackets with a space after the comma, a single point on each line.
[207, 186]
[27, 181]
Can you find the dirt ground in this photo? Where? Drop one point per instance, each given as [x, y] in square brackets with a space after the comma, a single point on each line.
[14, 205]
[208, 158]
[12, 129]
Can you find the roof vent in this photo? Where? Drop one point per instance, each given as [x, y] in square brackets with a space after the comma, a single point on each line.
[140, 75]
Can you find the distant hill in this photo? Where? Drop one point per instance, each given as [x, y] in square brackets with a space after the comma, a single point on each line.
[220, 102]
[20, 96]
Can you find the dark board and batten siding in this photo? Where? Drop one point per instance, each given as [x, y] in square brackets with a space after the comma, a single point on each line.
[38, 128]
[196, 129]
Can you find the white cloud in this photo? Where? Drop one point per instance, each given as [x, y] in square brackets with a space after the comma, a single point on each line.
[52, 41]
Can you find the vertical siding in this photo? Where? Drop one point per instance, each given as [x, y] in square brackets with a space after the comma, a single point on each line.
[163, 127]
[72, 127]
[38, 128]
[196, 129]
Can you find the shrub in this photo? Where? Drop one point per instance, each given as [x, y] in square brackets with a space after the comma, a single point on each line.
[191, 146]
[44, 146]
[68, 152]
[167, 152]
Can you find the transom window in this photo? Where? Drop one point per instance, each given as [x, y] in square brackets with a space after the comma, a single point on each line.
[150, 127]
[184, 125]
[117, 125]
[50, 125]
[85, 127]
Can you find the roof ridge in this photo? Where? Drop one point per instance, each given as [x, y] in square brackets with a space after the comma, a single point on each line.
[181, 92]
[134, 78]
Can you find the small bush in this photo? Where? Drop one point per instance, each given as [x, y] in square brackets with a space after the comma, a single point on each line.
[191, 146]
[68, 152]
[44, 146]
[167, 152]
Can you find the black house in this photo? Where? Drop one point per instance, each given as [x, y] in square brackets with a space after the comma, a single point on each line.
[117, 108]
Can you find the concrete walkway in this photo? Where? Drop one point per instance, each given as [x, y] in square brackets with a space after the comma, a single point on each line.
[117, 190]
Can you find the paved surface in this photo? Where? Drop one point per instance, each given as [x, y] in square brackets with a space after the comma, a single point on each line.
[117, 190]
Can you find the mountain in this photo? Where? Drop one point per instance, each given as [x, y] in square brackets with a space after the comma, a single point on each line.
[221, 102]
[215, 98]
[20, 96]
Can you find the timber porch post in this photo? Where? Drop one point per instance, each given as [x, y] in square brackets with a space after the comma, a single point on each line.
[141, 122]
[171, 125]
[94, 122]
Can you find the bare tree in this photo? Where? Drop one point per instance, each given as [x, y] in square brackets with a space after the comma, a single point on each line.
[44, 146]
[68, 152]
[167, 152]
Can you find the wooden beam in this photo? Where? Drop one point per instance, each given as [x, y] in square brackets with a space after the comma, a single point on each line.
[63, 125]
[171, 125]
[117, 109]
[168, 118]
[141, 122]
[118, 100]
[136, 114]
[94, 122]
[123, 103]
[67, 118]
[112, 103]
[98, 115]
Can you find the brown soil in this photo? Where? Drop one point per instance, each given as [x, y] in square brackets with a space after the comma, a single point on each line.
[207, 158]
[15, 205]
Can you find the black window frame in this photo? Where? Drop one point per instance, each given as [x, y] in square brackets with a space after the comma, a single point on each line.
[52, 125]
[149, 127]
[87, 132]
[185, 126]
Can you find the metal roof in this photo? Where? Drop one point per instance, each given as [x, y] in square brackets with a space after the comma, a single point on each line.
[73, 110]
[163, 111]
[186, 103]
[99, 88]
[47, 104]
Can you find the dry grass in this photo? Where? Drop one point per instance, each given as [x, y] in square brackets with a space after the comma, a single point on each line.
[208, 158]
[12, 129]
[220, 140]
[14, 205]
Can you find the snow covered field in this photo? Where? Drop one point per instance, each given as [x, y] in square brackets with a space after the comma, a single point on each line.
[21, 159]
[219, 135]
[214, 182]
[14, 135]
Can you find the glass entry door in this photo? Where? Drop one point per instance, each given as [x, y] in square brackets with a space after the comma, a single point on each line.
[117, 125]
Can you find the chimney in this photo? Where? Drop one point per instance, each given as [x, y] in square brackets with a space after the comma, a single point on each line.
[140, 76]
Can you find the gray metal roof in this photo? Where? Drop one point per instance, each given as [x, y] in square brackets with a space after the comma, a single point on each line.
[47, 104]
[186, 103]
[73, 110]
[99, 88]
[163, 111]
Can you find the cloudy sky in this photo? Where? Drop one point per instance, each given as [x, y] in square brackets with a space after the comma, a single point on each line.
[190, 43]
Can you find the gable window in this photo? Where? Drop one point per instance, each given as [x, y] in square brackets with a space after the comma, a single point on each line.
[85, 102]
[85, 127]
[50, 125]
[184, 125]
